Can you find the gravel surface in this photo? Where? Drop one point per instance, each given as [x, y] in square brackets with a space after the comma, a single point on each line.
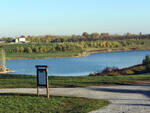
[124, 98]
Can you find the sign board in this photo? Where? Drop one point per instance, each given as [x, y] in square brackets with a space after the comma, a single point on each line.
[42, 78]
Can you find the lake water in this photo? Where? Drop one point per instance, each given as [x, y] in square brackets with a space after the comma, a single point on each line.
[79, 66]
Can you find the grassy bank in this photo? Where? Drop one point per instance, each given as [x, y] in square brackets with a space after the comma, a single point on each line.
[12, 56]
[15, 56]
[132, 70]
[23, 103]
[27, 81]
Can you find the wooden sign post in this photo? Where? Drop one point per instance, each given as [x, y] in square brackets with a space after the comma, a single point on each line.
[42, 78]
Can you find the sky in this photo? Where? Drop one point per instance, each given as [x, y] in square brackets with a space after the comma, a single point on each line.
[67, 17]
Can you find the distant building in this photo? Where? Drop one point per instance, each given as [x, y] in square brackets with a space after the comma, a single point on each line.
[20, 40]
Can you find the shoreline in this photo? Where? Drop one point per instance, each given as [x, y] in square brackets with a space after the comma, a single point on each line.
[83, 54]
[7, 71]
[115, 50]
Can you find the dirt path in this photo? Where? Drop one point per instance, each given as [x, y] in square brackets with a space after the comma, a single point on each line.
[124, 98]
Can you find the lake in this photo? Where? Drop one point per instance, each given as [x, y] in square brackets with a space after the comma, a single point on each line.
[79, 66]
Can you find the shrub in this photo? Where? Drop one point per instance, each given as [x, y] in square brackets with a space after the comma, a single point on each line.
[29, 50]
[37, 50]
[127, 72]
[110, 69]
[138, 69]
[146, 62]
[21, 49]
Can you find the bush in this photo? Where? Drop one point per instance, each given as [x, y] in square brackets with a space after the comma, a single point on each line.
[110, 69]
[37, 50]
[29, 50]
[21, 49]
[127, 72]
[146, 62]
[139, 69]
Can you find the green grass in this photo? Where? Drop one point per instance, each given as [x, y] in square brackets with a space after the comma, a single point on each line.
[41, 55]
[25, 103]
[28, 81]
[58, 54]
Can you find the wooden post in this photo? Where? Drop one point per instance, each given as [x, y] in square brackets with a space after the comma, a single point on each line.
[38, 91]
[37, 82]
[47, 82]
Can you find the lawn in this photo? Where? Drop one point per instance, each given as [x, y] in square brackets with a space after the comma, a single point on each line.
[29, 81]
[11, 56]
[25, 103]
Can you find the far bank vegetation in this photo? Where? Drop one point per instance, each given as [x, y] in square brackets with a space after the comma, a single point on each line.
[86, 42]
[133, 70]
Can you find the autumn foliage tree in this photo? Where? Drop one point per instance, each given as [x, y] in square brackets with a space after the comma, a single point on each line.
[29, 50]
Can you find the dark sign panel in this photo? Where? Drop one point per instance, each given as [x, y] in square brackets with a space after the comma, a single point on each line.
[42, 77]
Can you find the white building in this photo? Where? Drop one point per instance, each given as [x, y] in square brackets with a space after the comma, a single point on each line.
[20, 40]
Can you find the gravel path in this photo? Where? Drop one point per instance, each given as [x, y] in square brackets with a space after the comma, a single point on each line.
[124, 98]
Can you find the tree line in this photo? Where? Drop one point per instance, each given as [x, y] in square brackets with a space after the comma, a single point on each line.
[85, 37]
[70, 46]
[78, 38]
[42, 48]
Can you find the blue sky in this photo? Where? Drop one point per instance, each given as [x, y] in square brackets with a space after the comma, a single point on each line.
[65, 17]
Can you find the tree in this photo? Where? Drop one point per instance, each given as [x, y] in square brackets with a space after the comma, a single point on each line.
[85, 34]
[17, 50]
[53, 49]
[105, 34]
[95, 35]
[29, 50]
[22, 36]
[44, 49]
[128, 34]
[37, 50]
[41, 50]
[9, 39]
[21, 49]
[146, 62]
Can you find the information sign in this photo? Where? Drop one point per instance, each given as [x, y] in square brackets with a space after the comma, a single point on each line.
[42, 78]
